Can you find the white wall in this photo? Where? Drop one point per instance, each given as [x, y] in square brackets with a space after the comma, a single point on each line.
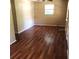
[58, 18]
[24, 13]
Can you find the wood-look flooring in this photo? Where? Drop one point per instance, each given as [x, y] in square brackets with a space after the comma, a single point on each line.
[40, 42]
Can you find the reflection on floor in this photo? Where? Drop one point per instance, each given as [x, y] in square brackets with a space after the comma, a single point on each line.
[40, 42]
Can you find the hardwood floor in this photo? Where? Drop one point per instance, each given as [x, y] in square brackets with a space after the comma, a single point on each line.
[40, 42]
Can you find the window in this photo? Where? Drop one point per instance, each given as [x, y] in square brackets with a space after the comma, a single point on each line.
[49, 9]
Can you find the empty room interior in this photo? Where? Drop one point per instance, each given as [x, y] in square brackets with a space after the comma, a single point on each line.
[39, 29]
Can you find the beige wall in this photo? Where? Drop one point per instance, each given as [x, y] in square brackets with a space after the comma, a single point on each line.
[59, 16]
[24, 13]
[12, 32]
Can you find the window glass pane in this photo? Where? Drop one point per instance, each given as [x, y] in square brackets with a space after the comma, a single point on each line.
[49, 12]
[49, 9]
[49, 6]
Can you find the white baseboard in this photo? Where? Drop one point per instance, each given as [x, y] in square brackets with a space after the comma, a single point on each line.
[38, 25]
[49, 25]
[22, 30]
[12, 42]
[25, 29]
